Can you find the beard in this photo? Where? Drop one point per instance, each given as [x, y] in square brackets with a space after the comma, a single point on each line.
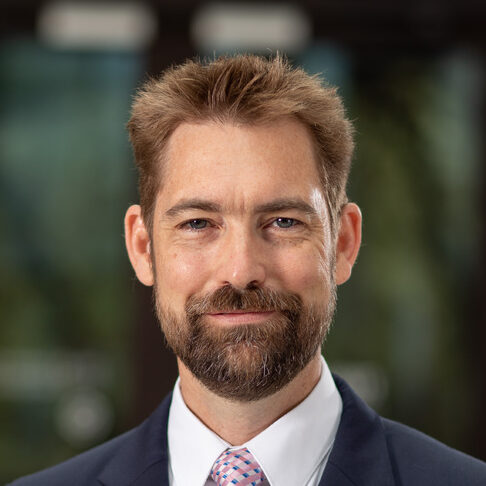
[247, 362]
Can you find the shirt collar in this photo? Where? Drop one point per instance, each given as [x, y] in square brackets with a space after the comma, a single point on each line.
[189, 439]
[300, 439]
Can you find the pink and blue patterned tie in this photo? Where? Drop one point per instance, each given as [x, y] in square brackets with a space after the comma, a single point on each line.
[237, 467]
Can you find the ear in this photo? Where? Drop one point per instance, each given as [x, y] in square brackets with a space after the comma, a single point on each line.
[137, 240]
[348, 242]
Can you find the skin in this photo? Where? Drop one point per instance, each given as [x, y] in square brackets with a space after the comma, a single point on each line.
[240, 205]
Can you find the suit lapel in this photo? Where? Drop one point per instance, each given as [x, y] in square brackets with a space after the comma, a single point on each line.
[360, 455]
[142, 459]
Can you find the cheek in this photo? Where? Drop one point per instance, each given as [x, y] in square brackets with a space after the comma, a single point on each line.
[305, 272]
[179, 275]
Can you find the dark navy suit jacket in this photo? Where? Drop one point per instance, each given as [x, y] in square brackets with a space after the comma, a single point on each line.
[368, 451]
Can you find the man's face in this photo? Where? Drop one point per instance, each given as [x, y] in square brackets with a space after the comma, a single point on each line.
[242, 255]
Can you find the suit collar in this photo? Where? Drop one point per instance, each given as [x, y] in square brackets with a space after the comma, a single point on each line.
[142, 459]
[359, 456]
[360, 453]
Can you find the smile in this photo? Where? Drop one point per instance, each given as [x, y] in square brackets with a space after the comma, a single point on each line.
[241, 317]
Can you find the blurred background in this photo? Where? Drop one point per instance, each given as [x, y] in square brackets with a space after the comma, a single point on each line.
[81, 356]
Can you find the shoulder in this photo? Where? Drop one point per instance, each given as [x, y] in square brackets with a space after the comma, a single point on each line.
[79, 470]
[369, 449]
[415, 455]
[118, 461]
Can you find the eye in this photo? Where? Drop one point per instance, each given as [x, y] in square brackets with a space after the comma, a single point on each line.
[197, 224]
[286, 222]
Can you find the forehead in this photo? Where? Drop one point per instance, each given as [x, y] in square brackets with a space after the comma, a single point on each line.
[240, 164]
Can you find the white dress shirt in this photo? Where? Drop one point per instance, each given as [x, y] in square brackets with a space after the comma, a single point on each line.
[292, 451]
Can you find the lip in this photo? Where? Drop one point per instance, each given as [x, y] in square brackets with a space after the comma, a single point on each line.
[241, 317]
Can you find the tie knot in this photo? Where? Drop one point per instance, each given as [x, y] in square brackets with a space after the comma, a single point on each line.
[237, 467]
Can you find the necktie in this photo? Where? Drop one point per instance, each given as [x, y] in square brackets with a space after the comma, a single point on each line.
[237, 467]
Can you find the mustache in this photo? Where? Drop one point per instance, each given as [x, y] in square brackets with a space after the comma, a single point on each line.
[252, 298]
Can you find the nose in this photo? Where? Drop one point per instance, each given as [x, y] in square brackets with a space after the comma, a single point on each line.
[241, 260]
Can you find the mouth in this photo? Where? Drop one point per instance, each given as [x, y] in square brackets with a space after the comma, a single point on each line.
[240, 317]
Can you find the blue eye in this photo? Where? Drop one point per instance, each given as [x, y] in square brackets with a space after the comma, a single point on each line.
[285, 222]
[197, 224]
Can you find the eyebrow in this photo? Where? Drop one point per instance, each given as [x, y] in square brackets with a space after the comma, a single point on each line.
[275, 206]
[188, 204]
[285, 205]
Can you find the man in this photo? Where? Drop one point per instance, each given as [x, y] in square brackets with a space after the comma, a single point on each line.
[244, 231]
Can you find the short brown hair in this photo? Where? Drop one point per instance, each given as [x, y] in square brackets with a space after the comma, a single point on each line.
[244, 89]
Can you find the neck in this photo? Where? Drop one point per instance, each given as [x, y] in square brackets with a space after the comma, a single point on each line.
[238, 422]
